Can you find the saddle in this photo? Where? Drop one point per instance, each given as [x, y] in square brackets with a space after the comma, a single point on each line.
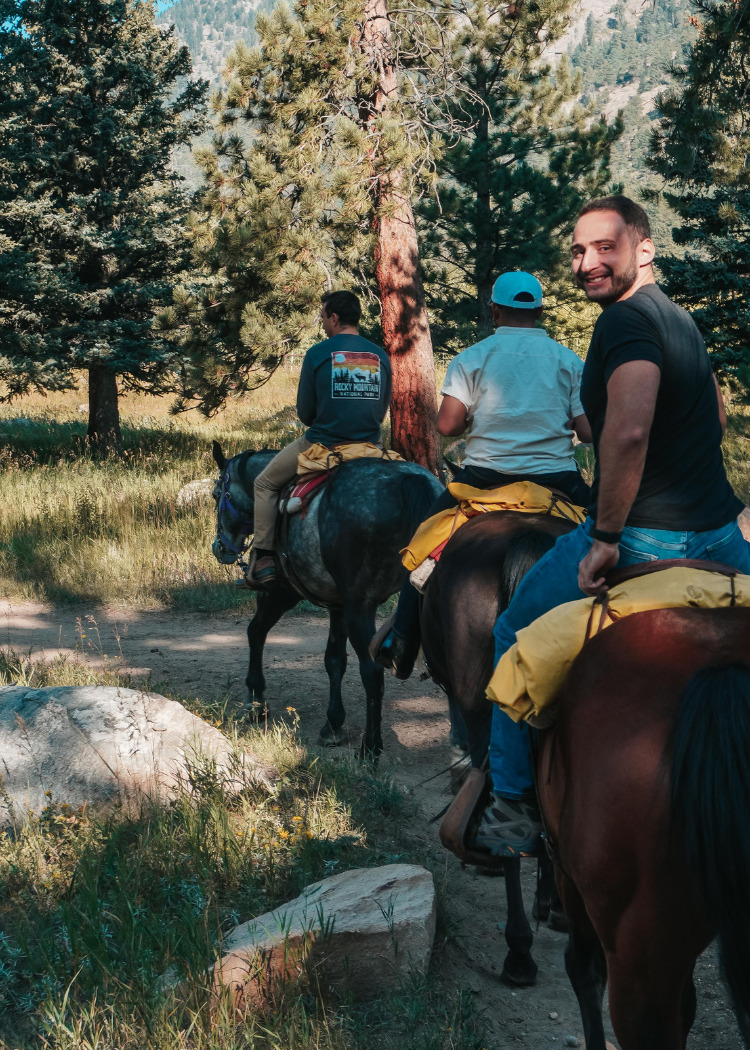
[644, 568]
[296, 496]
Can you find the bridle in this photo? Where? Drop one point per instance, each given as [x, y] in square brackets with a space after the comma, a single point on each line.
[225, 504]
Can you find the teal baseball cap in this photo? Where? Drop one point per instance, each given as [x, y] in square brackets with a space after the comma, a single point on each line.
[518, 289]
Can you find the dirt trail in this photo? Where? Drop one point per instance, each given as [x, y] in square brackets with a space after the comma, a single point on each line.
[201, 654]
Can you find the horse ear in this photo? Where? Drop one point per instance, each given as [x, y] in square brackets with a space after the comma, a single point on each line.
[219, 457]
[454, 468]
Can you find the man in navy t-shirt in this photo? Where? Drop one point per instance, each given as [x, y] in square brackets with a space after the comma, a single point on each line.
[343, 395]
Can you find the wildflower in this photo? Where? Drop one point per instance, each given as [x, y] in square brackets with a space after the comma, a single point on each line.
[309, 834]
[48, 794]
[299, 819]
[283, 834]
[291, 709]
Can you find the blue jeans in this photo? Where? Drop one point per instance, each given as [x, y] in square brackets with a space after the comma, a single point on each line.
[553, 581]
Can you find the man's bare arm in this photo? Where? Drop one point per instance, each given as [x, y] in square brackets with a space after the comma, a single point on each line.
[631, 400]
[582, 429]
[722, 407]
[451, 420]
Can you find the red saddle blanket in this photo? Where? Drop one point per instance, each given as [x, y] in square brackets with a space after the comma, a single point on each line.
[304, 488]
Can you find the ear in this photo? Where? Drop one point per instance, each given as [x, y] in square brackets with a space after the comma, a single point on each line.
[454, 468]
[219, 458]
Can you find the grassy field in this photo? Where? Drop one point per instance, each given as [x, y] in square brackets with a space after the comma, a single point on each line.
[73, 529]
[96, 911]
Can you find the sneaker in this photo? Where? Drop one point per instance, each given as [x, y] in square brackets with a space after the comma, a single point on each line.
[510, 828]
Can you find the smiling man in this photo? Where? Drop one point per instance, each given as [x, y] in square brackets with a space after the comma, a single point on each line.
[660, 489]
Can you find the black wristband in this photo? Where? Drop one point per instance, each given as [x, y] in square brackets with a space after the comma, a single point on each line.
[604, 537]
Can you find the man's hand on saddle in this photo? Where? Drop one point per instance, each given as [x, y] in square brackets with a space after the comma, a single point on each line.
[600, 559]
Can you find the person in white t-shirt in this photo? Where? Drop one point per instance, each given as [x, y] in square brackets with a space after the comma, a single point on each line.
[516, 395]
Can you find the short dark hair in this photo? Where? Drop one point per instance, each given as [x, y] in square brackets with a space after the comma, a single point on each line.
[345, 304]
[632, 214]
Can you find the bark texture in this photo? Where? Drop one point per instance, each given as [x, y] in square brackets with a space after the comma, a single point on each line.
[406, 330]
[104, 413]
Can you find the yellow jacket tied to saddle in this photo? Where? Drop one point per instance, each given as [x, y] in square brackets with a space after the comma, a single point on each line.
[320, 457]
[530, 676]
[524, 496]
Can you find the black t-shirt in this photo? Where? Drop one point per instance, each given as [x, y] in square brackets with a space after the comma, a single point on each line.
[344, 390]
[684, 486]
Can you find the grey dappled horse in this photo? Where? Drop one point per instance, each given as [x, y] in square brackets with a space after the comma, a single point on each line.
[344, 552]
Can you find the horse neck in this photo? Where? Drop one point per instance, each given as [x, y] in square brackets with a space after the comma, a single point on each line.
[247, 471]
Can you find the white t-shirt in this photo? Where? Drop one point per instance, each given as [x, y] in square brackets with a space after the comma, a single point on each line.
[520, 389]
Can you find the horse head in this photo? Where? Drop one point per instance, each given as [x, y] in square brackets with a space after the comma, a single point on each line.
[235, 505]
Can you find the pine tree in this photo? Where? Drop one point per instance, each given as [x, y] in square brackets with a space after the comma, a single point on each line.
[701, 149]
[92, 219]
[521, 158]
[307, 184]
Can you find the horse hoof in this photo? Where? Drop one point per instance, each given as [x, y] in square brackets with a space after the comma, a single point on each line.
[330, 737]
[520, 973]
[558, 921]
[540, 912]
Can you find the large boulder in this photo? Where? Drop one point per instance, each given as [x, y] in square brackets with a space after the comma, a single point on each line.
[101, 744]
[361, 931]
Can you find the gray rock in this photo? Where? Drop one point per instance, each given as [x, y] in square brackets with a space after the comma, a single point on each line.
[361, 931]
[100, 744]
[194, 492]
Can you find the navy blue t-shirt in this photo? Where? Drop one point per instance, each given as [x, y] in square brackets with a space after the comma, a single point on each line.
[344, 390]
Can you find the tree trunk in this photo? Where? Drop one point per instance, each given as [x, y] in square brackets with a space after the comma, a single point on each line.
[485, 247]
[406, 330]
[104, 415]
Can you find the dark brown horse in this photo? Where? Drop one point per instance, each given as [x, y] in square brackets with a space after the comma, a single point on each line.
[474, 580]
[645, 789]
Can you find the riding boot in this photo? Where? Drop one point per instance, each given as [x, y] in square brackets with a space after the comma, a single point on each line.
[260, 575]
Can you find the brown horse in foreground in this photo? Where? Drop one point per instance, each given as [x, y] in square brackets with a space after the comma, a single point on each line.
[645, 788]
[474, 580]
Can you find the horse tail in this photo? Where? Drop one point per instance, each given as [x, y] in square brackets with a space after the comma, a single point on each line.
[417, 498]
[710, 788]
[524, 550]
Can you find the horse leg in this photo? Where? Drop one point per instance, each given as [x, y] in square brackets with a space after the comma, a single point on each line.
[586, 966]
[545, 881]
[519, 968]
[547, 904]
[331, 734]
[688, 1006]
[360, 626]
[271, 607]
[651, 993]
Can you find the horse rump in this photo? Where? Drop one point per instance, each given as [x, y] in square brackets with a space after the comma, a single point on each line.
[710, 791]
[524, 550]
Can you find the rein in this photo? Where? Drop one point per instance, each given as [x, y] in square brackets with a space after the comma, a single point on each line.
[225, 504]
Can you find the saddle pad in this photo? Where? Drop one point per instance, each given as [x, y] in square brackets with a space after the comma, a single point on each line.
[319, 457]
[530, 676]
[523, 496]
[304, 487]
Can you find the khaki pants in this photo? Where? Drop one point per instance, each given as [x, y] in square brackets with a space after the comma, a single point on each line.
[268, 485]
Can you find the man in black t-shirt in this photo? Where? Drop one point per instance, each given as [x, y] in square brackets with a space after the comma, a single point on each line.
[660, 489]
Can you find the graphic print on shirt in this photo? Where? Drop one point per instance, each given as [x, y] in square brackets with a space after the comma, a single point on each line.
[355, 374]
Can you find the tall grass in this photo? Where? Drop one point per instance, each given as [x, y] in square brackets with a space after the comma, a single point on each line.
[75, 528]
